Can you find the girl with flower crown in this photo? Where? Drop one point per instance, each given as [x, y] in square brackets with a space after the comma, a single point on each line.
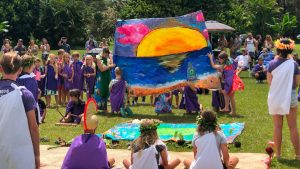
[148, 151]
[230, 81]
[283, 77]
[208, 145]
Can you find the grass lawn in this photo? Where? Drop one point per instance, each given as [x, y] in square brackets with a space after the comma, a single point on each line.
[251, 105]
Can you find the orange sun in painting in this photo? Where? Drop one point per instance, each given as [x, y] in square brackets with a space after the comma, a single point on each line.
[168, 41]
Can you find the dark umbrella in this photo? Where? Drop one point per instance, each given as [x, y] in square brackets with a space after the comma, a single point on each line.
[215, 26]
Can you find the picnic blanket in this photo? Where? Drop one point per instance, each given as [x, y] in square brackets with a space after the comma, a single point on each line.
[157, 55]
[166, 131]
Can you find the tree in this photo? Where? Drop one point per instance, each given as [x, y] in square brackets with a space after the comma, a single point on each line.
[286, 26]
[4, 26]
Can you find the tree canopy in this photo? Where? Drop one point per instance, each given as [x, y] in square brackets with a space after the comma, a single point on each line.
[78, 19]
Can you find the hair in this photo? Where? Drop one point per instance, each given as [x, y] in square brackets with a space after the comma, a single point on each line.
[11, 62]
[147, 137]
[284, 52]
[207, 122]
[49, 58]
[60, 51]
[295, 54]
[75, 93]
[27, 60]
[269, 38]
[118, 71]
[38, 60]
[223, 55]
[106, 51]
[44, 39]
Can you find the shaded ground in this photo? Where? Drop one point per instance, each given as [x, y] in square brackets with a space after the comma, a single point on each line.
[54, 158]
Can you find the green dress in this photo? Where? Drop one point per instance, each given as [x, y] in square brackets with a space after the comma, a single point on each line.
[104, 84]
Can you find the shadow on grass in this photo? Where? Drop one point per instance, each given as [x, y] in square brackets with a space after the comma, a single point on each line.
[289, 162]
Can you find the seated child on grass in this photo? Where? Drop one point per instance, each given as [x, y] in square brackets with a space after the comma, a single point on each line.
[208, 145]
[88, 151]
[144, 150]
[163, 103]
[75, 108]
[118, 88]
[259, 71]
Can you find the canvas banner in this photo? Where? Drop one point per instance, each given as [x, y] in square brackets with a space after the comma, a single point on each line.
[158, 55]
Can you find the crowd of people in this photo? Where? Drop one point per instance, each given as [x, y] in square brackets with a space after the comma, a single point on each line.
[67, 76]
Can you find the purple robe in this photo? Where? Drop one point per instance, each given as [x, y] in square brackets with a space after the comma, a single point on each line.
[31, 84]
[77, 79]
[117, 94]
[87, 151]
[68, 71]
[90, 81]
[189, 100]
[228, 74]
[75, 109]
[51, 81]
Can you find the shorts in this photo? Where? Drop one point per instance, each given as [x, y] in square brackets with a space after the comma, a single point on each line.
[252, 55]
[294, 98]
[50, 92]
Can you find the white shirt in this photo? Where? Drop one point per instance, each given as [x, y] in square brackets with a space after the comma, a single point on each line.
[243, 60]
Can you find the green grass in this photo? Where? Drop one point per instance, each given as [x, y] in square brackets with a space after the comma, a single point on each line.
[251, 105]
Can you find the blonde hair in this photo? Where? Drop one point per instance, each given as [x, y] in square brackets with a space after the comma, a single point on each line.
[148, 137]
[51, 55]
[64, 57]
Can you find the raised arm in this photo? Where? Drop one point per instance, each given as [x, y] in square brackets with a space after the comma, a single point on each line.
[212, 63]
[102, 67]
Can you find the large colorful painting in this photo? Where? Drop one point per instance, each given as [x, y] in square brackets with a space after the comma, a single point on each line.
[161, 54]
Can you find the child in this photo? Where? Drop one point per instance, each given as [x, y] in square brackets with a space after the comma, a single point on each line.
[66, 73]
[17, 118]
[51, 72]
[259, 71]
[39, 75]
[189, 100]
[118, 88]
[89, 74]
[208, 143]
[27, 79]
[231, 82]
[76, 67]
[42, 107]
[145, 148]
[60, 82]
[75, 108]
[88, 150]
[163, 105]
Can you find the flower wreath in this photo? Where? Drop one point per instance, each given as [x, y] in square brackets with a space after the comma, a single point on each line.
[151, 127]
[210, 126]
[282, 46]
[29, 62]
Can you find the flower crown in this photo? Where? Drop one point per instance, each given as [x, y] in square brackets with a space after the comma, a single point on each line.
[210, 126]
[282, 46]
[150, 127]
[28, 62]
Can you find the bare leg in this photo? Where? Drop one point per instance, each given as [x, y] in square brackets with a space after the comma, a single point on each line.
[173, 164]
[278, 122]
[56, 99]
[63, 97]
[126, 163]
[111, 162]
[233, 161]
[177, 101]
[187, 163]
[292, 123]
[67, 96]
[226, 99]
[48, 100]
[59, 95]
[233, 105]
[151, 99]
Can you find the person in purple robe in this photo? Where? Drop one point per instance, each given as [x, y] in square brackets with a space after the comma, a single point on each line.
[228, 68]
[189, 100]
[51, 72]
[75, 108]
[39, 72]
[88, 151]
[118, 88]
[89, 75]
[76, 67]
[67, 74]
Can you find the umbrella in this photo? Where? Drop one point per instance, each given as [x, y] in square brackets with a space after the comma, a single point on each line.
[215, 26]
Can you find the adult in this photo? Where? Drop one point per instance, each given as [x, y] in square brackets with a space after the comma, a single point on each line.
[251, 46]
[45, 48]
[283, 77]
[64, 45]
[20, 48]
[103, 78]
[105, 43]
[235, 46]
[33, 48]
[269, 44]
[222, 43]
[19, 145]
[91, 43]
[259, 43]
